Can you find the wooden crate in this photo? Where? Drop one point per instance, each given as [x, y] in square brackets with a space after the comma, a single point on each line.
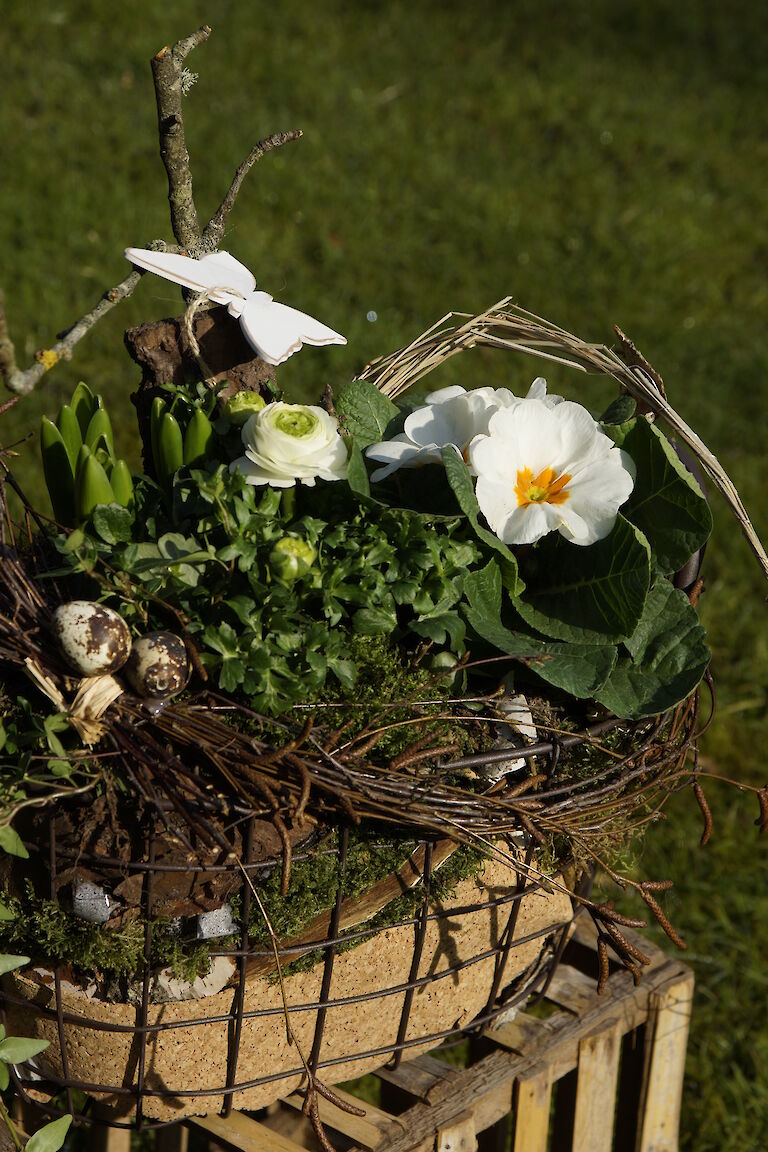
[588, 1074]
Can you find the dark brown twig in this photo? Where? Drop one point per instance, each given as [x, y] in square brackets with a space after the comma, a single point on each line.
[213, 233]
[762, 798]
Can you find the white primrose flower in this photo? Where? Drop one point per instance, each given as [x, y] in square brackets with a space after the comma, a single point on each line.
[451, 417]
[289, 442]
[545, 468]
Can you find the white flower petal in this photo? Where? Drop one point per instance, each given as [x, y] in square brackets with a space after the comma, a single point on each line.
[288, 442]
[443, 394]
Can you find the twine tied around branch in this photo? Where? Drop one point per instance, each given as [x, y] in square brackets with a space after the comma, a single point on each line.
[195, 306]
[95, 694]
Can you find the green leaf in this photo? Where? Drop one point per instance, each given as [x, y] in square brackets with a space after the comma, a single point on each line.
[664, 660]
[11, 842]
[460, 481]
[365, 412]
[51, 1137]
[6, 913]
[84, 404]
[666, 503]
[620, 410]
[3, 735]
[374, 621]
[66, 422]
[578, 669]
[91, 486]
[17, 1049]
[58, 470]
[5, 1077]
[357, 474]
[112, 523]
[100, 428]
[11, 963]
[588, 595]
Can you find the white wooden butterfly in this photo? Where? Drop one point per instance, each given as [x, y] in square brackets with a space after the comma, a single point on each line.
[274, 330]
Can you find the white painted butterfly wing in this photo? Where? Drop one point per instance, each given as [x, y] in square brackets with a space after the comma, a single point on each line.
[219, 274]
[277, 331]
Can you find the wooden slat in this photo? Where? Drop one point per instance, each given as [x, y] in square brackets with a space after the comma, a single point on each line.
[239, 1131]
[532, 1109]
[419, 1077]
[669, 1021]
[367, 1131]
[629, 1005]
[458, 1136]
[572, 989]
[172, 1139]
[596, 1090]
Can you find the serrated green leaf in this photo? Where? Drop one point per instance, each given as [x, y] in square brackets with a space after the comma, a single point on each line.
[588, 595]
[666, 504]
[17, 1049]
[51, 1137]
[374, 621]
[460, 481]
[663, 660]
[10, 963]
[113, 523]
[578, 669]
[365, 412]
[11, 842]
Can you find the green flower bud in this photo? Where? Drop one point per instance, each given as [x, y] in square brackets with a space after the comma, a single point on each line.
[242, 405]
[291, 558]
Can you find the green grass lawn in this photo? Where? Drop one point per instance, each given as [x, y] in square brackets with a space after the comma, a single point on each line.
[604, 163]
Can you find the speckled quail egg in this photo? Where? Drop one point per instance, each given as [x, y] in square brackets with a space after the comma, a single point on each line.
[94, 639]
[158, 665]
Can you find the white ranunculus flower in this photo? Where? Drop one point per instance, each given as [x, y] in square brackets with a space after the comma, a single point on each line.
[289, 442]
[545, 468]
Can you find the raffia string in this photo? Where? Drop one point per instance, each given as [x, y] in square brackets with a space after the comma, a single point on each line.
[95, 694]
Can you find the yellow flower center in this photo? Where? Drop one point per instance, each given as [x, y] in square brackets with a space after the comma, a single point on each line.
[545, 488]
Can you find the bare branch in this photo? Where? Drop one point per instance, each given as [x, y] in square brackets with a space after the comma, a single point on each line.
[23, 381]
[214, 230]
[167, 74]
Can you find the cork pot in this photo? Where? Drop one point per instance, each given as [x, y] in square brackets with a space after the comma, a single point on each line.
[185, 1060]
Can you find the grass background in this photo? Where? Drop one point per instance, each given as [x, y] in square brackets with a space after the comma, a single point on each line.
[603, 163]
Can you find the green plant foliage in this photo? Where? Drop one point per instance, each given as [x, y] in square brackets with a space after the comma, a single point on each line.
[666, 503]
[460, 481]
[579, 669]
[50, 1137]
[588, 595]
[662, 661]
[365, 412]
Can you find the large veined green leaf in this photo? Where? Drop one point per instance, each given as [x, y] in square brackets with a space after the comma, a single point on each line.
[666, 504]
[588, 595]
[365, 412]
[460, 481]
[664, 659]
[579, 669]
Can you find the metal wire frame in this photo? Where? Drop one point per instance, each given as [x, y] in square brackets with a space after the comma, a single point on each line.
[135, 1094]
[501, 994]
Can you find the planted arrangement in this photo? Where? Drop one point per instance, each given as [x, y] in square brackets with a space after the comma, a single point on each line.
[323, 671]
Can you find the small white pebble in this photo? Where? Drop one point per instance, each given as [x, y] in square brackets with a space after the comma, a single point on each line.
[90, 902]
[219, 922]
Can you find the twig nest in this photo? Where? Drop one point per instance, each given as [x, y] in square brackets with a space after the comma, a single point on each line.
[94, 639]
[158, 665]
